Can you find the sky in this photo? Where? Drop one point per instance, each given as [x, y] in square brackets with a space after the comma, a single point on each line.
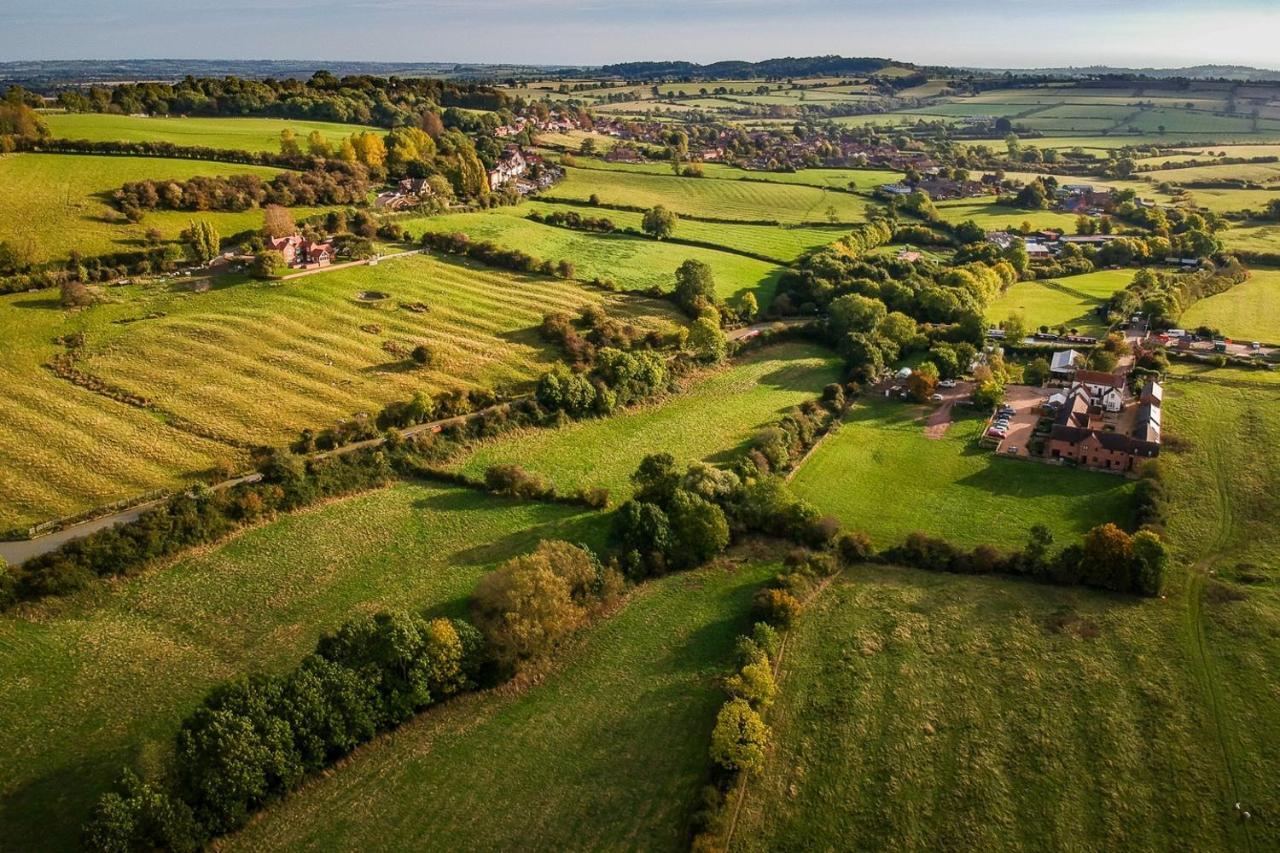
[991, 33]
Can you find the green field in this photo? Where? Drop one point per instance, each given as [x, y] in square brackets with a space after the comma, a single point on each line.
[51, 204]
[634, 263]
[100, 682]
[1253, 238]
[1069, 301]
[923, 711]
[992, 216]
[235, 134]
[253, 362]
[751, 393]
[880, 474]
[786, 243]
[607, 752]
[1249, 311]
[737, 200]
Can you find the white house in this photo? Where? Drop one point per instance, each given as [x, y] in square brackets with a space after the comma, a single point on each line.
[1063, 364]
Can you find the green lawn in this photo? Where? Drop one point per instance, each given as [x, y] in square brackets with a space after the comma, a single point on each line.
[100, 682]
[607, 752]
[880, 474]
[1249, 311]
[236, 134]
[253, 362]
[1071, 301]
[744, 396]
[737, 200]
[635, 263]
[991, 216]
[51, 204]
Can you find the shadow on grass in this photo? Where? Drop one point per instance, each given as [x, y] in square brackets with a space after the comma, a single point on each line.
[46, 811]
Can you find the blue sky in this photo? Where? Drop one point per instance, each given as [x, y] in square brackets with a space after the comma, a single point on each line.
[1022, 33]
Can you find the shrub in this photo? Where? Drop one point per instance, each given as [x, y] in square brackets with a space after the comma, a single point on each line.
[8, 586]
[855, 547]
[764, 636]
[140, 816]
[739, 738]
[515, 481]
[754, 683]
[777, 606]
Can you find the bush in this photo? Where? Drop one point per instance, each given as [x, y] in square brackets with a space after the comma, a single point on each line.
[754, 682]
[140, 816]
[855, 547]
[739, 738]
[764, 636]
[777, 607]
[514, 481]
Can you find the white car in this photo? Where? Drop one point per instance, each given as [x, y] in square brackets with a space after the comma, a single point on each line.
[936, 398]
[947, 383]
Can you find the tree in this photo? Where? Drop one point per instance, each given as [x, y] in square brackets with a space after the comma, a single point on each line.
[1107, 560]
[1036, 372]
[854, 313]
[277, 221]
[656, 479]
[269, 264]
[140, 816]
[739, 738]
[658, 222]
[748, 307]
[1016, 328]
[707, 339]
[76, 295]
[203, 241]
[699, 529]
[1150, 557]
[695, 287]
[318, 146]
[922, 382]
[754, 683]
[289, 146]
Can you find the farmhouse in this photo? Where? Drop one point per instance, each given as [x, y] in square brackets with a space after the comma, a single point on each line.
[302, 253]
[1096, 427]
[510, 166]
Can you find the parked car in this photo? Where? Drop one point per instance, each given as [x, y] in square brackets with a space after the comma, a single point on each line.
[996, 433]
[1255, 345]
[1012, 450]
[947, 383]
[935, 398]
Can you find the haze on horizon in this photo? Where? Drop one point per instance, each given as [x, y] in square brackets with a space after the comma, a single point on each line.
[1010, 33]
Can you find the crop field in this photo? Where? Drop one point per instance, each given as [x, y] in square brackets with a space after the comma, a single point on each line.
[256, 603]
[270, 359]
[635, 263]
[606, 752]
[51, 204]
[1249, 311]
[235, 134]
[1255, 172]
[748, 394]
[783, 242]
[864, 180]
[1233, 200]
[738, 200]
[315, 350]
[950, 486]
[1070, 301]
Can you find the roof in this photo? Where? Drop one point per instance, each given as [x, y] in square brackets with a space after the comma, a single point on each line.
[1153, 391]
[1097, 377]
[1064, 360]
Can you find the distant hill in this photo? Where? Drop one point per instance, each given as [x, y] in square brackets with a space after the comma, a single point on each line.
[788, 66]
[1191, 72]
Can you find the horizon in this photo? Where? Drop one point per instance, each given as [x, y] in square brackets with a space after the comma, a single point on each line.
[558, 32]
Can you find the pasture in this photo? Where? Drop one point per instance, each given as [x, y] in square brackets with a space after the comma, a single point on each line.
[880, 474]
[1249, 311]
[992, 216]
[233, 134]
[606, 751]
[748, 201]
[1072, 301]
[252, 362]
[744, 396]
[634, 263]
[121, 664]
[52, 204]
[785, 243]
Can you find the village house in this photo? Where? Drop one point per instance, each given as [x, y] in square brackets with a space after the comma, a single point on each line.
[1097, 427]
[301, 253]
[1063, 364]
[510, 166]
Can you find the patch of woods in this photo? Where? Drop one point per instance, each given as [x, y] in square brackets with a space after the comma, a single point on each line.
[337, 183]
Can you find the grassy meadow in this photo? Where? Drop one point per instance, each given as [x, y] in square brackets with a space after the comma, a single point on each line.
[634, 263]
[749, 201]
[101, 681]
[607, 751]
[1249, 311]
[991, 216]
[253, 362]
[1072, 301]
[233, 134]
[51, 204]
[881, 475]
[752, 392]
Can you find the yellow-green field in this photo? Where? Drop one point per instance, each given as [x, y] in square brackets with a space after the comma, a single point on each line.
[1249, 311]
[1071, 301]
[235, 134]
[253, 362]
[52, 204]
